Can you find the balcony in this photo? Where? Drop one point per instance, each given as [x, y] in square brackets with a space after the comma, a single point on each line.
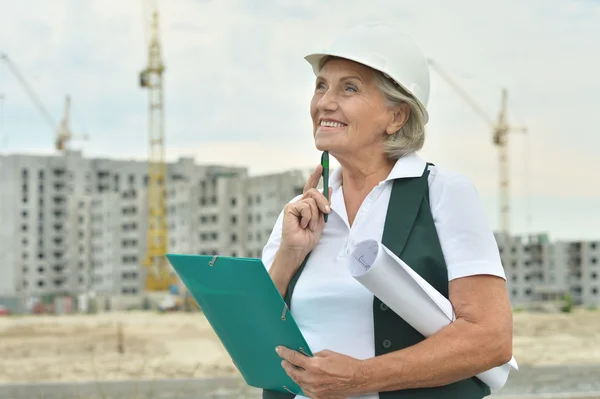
[59, 281]
[59, 214]
[58, 268]
[574, 249]
[59, 199]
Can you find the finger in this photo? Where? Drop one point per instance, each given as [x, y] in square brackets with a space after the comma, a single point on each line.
[295, 358]
[319, 198]
[313, 180]
[314, 213]
[305, 214]
[301, 210]
[295, 370]
[292, 371]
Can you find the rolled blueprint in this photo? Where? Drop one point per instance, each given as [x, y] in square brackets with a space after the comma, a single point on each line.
[411, 297]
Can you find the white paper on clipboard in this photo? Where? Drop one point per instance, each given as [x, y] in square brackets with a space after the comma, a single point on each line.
[411, 297]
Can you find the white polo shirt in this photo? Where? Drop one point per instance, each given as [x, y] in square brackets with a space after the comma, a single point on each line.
[332, 309]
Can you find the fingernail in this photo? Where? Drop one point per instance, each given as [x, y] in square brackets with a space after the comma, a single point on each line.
[327, 208]
[277, 349]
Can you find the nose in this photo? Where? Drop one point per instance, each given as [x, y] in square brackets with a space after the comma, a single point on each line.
[328, 102]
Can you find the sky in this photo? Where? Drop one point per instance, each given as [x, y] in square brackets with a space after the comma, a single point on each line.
[237, 88]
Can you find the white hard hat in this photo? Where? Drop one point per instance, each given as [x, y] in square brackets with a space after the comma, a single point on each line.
[385, 49]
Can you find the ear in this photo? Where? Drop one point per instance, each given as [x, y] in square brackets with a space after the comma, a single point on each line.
[399, 117]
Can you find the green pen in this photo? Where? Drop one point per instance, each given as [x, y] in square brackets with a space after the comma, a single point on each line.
[325, 165]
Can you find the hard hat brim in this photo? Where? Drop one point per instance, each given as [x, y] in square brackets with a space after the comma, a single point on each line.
[373, 62]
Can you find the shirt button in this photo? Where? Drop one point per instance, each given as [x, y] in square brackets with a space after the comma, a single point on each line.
[386, 343]
[383, 306]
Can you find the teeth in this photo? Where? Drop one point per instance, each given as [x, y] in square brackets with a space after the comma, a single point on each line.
[331, 124]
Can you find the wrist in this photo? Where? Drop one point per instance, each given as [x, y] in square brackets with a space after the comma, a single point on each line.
[284, 267]
[363, 378]
[280, 274]
[291, 257]
[375, 375]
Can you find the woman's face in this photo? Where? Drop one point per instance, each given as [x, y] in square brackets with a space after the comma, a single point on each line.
[349, 112]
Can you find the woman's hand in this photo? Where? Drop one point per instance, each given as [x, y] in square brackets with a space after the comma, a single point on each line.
[303, 220]
[302, 225]
[327, 375]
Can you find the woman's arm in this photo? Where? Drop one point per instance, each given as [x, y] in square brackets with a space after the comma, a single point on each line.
[281, 261]
[481, 336]
[479, 339]
[283, 268]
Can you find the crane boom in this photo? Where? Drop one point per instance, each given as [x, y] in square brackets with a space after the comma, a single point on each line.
[48, 118]
[476, 108]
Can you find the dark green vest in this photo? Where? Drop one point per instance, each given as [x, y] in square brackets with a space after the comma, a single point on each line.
[410, 233]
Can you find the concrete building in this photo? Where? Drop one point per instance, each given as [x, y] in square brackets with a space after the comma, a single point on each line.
[264, 198]
[583, 271]
[523, 261]
[539, 270]
[71, 225]
[38, 223]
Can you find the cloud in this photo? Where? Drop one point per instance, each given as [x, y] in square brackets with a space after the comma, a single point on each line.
[237, 87]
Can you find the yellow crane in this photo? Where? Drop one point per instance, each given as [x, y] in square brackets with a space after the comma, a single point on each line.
[500, 130]
[63, 131]
[159, 276]
[65, 134]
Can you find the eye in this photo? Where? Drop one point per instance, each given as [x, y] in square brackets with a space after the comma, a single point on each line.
[351, 88]
[320, 86]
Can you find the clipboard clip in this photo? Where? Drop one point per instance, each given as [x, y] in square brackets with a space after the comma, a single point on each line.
[212, 262]
[287, 389]
[285, 309]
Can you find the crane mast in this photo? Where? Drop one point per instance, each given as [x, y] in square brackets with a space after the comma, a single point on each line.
[500, 129]
[500, 138]
[158, 277]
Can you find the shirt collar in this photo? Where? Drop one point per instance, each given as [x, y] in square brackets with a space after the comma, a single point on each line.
[411, 165]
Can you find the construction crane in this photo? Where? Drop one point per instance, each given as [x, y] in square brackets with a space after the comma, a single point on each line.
[500, 130]
[63, 131]
[159, 276]
[64, 134]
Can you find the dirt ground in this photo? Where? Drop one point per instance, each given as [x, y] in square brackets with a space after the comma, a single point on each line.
[179, 345]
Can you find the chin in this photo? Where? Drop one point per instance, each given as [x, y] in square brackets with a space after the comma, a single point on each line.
[325, 143]
[321, 147]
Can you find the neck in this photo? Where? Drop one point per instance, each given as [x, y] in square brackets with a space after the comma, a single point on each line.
[361, 174]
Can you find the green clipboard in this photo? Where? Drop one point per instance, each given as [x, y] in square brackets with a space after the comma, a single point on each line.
[246, 311]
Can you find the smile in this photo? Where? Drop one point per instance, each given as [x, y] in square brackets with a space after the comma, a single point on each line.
[332, 124]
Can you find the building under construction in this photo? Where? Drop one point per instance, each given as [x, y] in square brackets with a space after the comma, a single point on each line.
[73, 225]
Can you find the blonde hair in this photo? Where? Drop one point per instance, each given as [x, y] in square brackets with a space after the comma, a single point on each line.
[411, 136]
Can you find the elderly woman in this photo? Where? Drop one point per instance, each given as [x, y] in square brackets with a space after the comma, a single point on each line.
[369, 111]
